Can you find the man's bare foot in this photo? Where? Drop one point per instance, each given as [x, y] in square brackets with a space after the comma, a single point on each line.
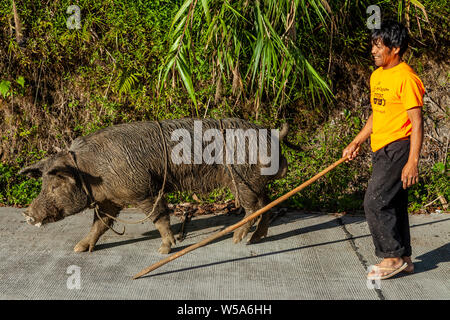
[386, 268]
[410, 267]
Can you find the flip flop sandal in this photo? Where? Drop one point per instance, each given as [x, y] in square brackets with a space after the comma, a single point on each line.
[392, 272]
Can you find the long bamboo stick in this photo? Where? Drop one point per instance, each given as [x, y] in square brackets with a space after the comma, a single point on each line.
[240, 223]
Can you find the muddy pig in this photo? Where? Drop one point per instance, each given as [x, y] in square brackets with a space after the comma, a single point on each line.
[125, 165]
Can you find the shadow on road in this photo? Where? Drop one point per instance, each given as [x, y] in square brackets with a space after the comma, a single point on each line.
[429, 261]
[221, 221]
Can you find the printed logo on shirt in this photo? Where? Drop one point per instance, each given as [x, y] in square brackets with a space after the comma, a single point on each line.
[378, 99]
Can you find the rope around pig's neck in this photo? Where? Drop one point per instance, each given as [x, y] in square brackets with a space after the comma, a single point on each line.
[94, 204]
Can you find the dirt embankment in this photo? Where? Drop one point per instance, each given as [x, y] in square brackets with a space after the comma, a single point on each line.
[49, 111]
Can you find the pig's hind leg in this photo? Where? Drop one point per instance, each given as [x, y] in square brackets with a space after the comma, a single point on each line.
[252, 201]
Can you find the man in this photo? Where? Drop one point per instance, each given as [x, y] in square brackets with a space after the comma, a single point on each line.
[396, 131]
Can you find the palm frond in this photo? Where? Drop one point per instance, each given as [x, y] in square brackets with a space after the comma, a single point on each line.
[252, 38]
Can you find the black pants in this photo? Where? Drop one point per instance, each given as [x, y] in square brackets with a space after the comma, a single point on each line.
[386, 202]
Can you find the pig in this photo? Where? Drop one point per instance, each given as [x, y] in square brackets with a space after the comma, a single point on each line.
[125, 165]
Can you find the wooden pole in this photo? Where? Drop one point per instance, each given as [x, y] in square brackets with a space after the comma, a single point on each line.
[240, 223]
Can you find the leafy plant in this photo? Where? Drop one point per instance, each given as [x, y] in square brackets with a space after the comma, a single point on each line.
[5, 87]
[407, 11]
[16, 190]
[432, 191]
[252, 45]
[126, 81]
[21, 81]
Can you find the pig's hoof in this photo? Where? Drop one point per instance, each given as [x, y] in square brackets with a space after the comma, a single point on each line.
[239, 235]
[81, 247]
[257, 235]
[164, 249]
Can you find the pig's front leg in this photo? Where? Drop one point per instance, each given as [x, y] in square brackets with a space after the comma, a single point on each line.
[161, 220]
[98, 228]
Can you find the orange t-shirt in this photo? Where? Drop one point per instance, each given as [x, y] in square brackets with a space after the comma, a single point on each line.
[392, 92]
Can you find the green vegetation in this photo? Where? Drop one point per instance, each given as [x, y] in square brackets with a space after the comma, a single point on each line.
[305, 62]
[15, 189]
[434, 187]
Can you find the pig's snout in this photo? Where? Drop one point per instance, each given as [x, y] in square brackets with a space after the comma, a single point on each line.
[30, 220]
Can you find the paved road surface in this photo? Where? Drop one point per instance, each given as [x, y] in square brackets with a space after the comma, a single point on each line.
[305, 256]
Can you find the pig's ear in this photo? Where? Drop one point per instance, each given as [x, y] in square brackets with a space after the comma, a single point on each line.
[64, 172]
[35, 170]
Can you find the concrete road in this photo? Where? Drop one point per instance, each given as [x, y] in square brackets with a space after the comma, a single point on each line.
[305, 256]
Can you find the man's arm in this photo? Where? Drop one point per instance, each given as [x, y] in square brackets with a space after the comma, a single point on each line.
[410, 172]
[351, 151]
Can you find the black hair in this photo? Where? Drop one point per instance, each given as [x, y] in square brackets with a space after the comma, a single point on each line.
[393, 34]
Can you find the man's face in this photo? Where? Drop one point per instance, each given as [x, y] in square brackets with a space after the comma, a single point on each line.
[383, 56]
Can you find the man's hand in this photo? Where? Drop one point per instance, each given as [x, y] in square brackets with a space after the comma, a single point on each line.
[410, 174]
[351, 151]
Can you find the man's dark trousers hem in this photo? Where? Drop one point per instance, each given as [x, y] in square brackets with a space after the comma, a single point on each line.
[386, 202]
